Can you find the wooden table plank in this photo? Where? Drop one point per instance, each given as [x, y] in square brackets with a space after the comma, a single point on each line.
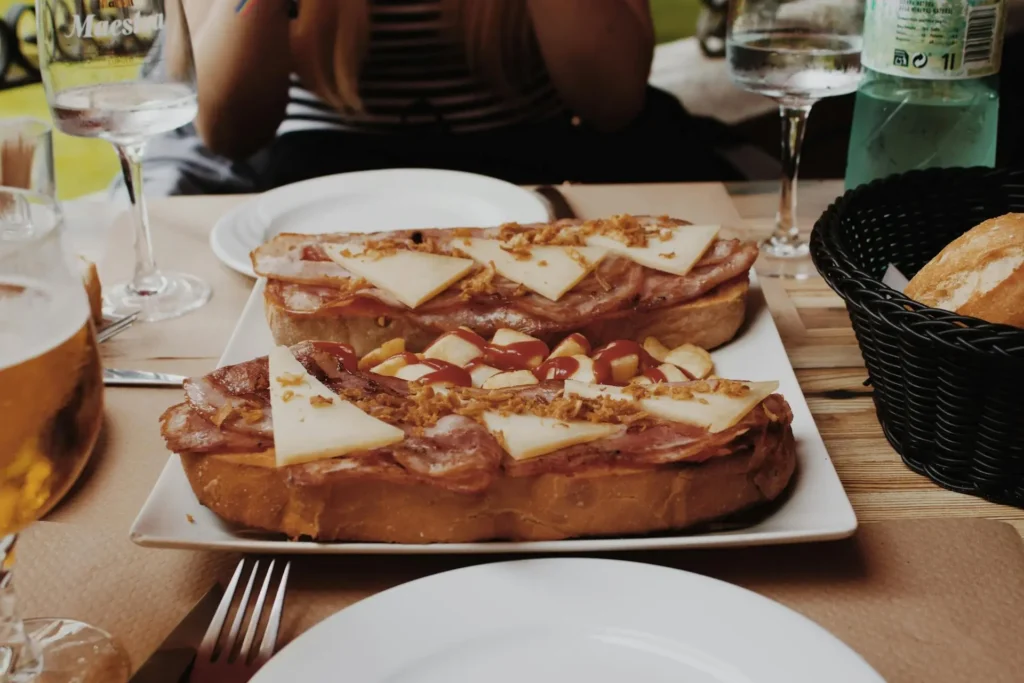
[816, 331]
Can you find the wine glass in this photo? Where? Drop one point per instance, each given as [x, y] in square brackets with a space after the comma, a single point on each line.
[51, 397]
[122, 71]
[796, 52]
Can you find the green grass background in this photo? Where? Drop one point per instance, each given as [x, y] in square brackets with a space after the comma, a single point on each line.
[85, 166]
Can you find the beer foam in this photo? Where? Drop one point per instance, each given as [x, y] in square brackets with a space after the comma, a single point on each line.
[36, 317]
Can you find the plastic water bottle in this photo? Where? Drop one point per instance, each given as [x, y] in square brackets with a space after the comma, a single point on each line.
[930, 96]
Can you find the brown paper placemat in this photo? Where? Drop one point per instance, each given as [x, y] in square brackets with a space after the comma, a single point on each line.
[936, 600]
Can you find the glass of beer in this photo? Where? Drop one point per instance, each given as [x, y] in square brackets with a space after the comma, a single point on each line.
[51, 399]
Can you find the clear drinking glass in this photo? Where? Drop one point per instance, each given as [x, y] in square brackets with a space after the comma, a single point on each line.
[122, 71]
[51, 399]
[26, 155]
[796, 52]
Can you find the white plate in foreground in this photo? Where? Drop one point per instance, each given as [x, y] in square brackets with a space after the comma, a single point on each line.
[557, 620]
[816, 507]
[368, 201]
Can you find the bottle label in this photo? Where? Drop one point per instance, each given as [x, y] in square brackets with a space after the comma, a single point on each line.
[934, 39]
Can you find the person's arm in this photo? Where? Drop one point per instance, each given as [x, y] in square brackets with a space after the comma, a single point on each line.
[598, 53]
[242, 66]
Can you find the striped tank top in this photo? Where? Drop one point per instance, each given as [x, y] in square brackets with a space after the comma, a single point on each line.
[414, 76]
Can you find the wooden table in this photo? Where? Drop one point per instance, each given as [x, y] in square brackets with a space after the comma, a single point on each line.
[816, 331]
[902, 594]
[811, 318]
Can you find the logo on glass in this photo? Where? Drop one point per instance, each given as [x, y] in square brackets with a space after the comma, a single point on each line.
[91, 27]
[900, 58]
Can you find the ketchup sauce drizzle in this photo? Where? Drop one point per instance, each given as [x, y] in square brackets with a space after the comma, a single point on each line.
[444, 372]
[620, 349]
[343, 352]
[655, 375]
[516, 356]
[561, 368]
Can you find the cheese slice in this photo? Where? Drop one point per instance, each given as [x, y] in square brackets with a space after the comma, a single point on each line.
[574, 387]
[528, 436]
[715, 411]
[549, 271]
[412, 277]
[311, 422]
[676, 255]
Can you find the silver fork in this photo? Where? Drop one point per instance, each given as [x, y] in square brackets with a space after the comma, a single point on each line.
[116, 327]
[222, 664]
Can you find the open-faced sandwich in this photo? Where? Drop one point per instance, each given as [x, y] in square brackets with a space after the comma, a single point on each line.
[624, 277]
[475, 440]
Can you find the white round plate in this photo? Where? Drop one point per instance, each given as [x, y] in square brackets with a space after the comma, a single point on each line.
[393, 199]
[566, 619]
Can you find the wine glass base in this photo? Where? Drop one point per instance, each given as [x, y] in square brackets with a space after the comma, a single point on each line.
[179, 294]
[786, 260]
[75, 652]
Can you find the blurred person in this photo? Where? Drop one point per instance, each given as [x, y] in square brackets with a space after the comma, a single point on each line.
[531, 91]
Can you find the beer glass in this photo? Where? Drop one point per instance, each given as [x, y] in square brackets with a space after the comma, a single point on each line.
[51, 399]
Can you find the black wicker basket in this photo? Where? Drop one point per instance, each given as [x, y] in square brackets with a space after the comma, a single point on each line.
[948, 389]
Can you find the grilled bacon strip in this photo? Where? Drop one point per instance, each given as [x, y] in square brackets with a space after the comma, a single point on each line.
[457, 452]
[302, 280]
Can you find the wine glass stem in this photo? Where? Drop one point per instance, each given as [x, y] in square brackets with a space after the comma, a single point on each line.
[794, 122]
[20, 660]
[147, 280]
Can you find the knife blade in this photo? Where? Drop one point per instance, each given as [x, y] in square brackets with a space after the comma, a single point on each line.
[560, 207]
[139, 378]
[173, 659]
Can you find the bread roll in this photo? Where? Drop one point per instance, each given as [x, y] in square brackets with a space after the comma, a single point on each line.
[980, 274]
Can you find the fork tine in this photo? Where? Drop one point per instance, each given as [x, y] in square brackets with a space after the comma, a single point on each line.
[257, 611]
[115, 328]
[236, 623]
[273, 624]
[209, 643]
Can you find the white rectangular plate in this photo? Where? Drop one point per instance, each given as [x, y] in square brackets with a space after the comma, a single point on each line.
[816, 507]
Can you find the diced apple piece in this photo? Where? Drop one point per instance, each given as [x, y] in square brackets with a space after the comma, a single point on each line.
[391, 366]
[515, 378]
[667, 372]
[481, 373]
[624, 368]
[641, 380]
[691, 359]
[573, 345]
[454, 349]
[506, 336]
[386, 350]
[657, 350]
[411, 373]
[536, 349]
[584, 370]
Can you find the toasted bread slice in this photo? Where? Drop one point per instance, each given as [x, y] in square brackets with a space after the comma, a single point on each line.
[247, 489]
